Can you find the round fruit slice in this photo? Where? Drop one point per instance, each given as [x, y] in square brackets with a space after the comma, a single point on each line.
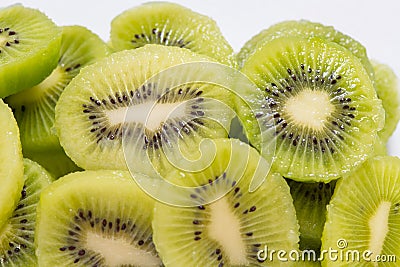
[173, 25]
[131, 94]
[29, 45]
[387, 89]
[11, 169]
[304, 28]
[324, 107]
[363, 218]
[17, 237]
[227, 225]
[95, 218]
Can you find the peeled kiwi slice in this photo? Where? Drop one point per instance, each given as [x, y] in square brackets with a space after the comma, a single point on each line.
[17, 237]
[34, 108]
[11, 169]
[223, 223]
[132, 96]
[305, 28]
[324, 107]
[172, 25]
[387, 89]
[95, 218]
[29, 45]
[310, 200]
[363, 215]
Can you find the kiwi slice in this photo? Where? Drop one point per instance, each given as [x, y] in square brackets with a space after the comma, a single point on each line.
[29, 45]
[16, 239]
[95, 218]
[363, 215]
[310, 200]
[132, 96]
[387, 89]
[306, 29]
[172, 25]
[324, 107]
[34, 108]
[223, 223]
[11, 169]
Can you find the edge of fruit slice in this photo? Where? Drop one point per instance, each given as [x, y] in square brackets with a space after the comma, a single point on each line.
[38, 40]
[11, 169]
[163, 21]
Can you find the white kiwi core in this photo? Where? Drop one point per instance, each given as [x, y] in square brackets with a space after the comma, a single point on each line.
[379, 227]
[309, 108]
[225, 229]
[117, 251]
[150, 114]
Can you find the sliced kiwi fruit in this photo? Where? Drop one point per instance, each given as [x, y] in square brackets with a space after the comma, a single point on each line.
[11, 169]
[225, 224]
[34, 108]
[172, 25]
[310, 200]
[17, 236]
[95, 218]
[305, 28]
[324, 107]
[387, 89]
[132, 96]
[363, 216]
[29, 45]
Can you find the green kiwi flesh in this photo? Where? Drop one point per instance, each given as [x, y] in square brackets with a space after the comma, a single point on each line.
[305, 28]
[29, 45]
[92, 113]
[34, 107]
[387, 89]
[310, 200]
[173, 25]
[226, 225]
[95, 218]
[324, 107]
[363, 215]
[11, 171]
[17, 236]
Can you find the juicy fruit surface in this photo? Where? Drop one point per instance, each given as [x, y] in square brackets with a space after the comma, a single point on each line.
[237, 224]
[34, 108]
[92, 119]
[16, 239]
[324, 107]
[387, 89]
[29, 45]
[83, 222]
[364, 211]
[304, 28]
[11, 169]
[173, 25]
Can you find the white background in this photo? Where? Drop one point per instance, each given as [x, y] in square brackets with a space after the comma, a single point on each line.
[373, 23]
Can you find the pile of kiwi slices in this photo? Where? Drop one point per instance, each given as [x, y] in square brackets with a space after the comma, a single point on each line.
[163, 147]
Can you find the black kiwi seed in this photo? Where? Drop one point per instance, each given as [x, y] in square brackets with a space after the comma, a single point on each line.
[11, 37]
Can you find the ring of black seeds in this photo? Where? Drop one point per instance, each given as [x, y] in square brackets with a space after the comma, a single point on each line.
[157, 36]
[102, 130]
[278, 93]
[11, 38]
